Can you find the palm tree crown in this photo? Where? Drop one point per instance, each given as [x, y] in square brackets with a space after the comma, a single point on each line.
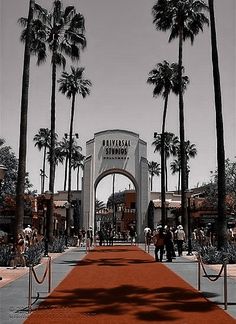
[71, 84]
[154, 169]
[62, 30]
[42, 141]
[185, 16]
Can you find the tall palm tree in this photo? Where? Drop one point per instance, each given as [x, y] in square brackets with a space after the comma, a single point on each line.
[62, 31]
[77, 163]
[20, 186]
[222, 221]
[163, 77]
[71, 85]
[42, 141]
[184, 19]
[154, 169]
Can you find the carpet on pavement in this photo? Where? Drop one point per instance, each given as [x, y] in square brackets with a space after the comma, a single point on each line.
[123, 284]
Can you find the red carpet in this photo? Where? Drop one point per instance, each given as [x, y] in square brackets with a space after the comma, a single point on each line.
[122, 284]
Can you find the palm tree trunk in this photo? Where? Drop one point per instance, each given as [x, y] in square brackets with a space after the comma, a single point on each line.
[179, 179]
[182, 139]
[66, 168]
[166, 175]
[221, 220]
[44, 167]
[151, 182]
[68, 220]
[20, 187]
[77, 184]
[163, 187]
[52, 153]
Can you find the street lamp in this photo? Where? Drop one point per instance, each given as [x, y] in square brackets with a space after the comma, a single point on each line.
[69, 195]
[47, 196]
[67, 206]
[189, 227]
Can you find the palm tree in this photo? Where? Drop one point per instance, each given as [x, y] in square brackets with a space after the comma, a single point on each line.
[190, 152]
[154, 169]
[63, 32]
[175, 166]
[171, 144]
[20, 186]
[222, 221]
[163, 77]
[64, 150]
[184, 19]
[42, 141]
[77, 162]
[71, 85]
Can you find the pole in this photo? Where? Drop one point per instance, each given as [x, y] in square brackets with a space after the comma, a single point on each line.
[199, 273]
[225, 285]
[113, 201]
[30, 289]
[189, 229]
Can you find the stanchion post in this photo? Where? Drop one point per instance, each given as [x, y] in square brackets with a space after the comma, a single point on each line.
[225, 285]
[199, 273]
[49, 274]
[30, 289]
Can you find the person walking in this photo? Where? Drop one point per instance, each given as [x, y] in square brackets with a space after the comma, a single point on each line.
[132, 235]
[169, 243]
[148, 236]
[180, 237]
[159, 242]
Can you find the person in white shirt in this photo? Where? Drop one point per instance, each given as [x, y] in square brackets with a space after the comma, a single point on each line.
[180, 237]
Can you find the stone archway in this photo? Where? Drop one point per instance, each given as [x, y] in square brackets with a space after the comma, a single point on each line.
[116, 151]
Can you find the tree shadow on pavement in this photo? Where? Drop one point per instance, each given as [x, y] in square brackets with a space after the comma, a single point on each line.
[140, 302]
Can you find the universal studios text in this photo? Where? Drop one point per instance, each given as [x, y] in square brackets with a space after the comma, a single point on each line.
[116, 146]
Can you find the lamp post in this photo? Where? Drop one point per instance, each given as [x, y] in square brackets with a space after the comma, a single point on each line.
[68, 210]
[69, 198]
[48, 196]
[189, 226]
[3, 170]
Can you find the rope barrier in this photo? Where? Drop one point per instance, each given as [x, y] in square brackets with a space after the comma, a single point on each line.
[44, 275]
[216, 277]
[32, 274]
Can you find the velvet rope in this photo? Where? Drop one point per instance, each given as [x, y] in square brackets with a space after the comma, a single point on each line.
[216, 277]
[44, 275]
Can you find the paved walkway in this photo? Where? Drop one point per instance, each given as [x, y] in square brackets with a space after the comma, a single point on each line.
[14, 286]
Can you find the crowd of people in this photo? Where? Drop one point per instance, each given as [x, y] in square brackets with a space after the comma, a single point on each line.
[164, 239]
[171, 240]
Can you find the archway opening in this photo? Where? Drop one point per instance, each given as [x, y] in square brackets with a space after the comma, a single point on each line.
[115, 207]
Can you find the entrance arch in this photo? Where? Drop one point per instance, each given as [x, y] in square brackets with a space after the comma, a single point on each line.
[116, 151]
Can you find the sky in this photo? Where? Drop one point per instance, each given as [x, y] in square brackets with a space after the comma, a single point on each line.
[122, 48]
